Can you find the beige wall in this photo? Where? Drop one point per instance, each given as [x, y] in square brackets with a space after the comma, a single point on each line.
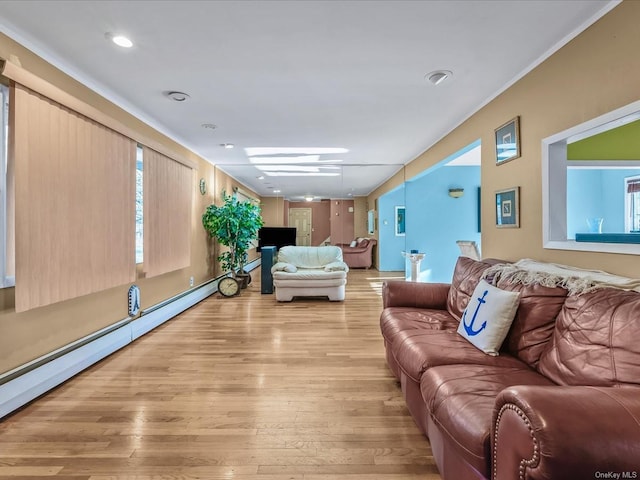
[320, 219]
[360, 217]
[342, 227]
[595, 73]
[274, 210]
[34, 333]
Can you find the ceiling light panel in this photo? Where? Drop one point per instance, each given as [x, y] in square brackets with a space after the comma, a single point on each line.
[287, 168]
[292, 160]
[255, 151]
[302, 174]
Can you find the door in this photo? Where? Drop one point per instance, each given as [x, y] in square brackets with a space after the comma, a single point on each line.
[301, 219]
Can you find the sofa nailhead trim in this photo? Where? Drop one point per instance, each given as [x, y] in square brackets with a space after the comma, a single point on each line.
[524, 463]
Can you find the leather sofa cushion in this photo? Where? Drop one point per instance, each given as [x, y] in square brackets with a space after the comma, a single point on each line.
[394, 320]
[466, 275]
[533, 326]
[460, 401]
[596, 340]
[418, 350]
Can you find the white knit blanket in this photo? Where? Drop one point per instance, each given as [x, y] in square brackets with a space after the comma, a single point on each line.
[575, 280]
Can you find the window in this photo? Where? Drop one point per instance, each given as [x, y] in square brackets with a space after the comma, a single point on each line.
[7, 255]
[168, 212]
[589, 160]
[632, 204]
[139, 206]
[75, 182]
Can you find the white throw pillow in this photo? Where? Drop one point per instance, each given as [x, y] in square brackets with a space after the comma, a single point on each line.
[488, 316]
[284, 267]
[353, 243]
[336, 267]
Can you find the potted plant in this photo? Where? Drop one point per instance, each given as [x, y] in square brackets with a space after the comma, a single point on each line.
[234, 224]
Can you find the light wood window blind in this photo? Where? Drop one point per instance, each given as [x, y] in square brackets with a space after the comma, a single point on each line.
[633, 186]
[168, 195]
[74, 202]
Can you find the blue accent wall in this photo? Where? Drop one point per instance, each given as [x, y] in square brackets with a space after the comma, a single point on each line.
[584, 199]
[390, 246]
[596, 193]
[435, 220]
[613, 196]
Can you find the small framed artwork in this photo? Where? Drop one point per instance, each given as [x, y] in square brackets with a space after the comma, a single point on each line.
[400, 221]
[508, 208]
[508, 141]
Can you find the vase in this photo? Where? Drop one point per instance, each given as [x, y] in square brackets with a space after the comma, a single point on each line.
[595, 224]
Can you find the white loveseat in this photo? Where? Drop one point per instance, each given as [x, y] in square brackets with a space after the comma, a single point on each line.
[310, 272]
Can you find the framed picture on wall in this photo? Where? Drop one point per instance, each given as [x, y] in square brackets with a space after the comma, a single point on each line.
[400, 221]
[508, 141]
[508, 208]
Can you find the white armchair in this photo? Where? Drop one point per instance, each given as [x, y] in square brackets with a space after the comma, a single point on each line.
[310, 272]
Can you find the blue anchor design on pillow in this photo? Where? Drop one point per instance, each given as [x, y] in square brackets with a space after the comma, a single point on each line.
[469, 328]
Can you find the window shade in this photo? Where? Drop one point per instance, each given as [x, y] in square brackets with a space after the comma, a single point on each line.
[74, 202]
[168, 193]
[633, 186]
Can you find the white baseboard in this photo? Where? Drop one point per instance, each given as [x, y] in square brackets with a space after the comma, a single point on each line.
[34, 382]
[157, 316]
[29, 386]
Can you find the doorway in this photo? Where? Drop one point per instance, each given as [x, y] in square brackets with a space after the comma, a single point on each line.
[300, 218]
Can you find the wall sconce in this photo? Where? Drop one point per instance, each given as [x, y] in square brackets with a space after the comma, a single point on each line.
[456, 192]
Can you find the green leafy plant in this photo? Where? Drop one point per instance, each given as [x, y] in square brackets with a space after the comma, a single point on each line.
[234, 224]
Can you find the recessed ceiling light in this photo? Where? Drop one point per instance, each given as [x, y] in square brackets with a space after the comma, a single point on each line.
[261, 177]
[177, 96]
[228, 146]
[122, 41]
[277, 191]
[438, 76]
[308, 198]
[119, 40]
[210, 126]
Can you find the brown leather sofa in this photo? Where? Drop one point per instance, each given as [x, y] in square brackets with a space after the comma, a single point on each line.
[360, 256]
[561, 401]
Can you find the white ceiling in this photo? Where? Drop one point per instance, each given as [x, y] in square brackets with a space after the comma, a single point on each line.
[308, 73]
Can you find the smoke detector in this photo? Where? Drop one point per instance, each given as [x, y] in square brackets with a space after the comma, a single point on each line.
[177, 96]
[438, 76]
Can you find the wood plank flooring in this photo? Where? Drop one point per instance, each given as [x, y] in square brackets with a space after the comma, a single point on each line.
[235, 389]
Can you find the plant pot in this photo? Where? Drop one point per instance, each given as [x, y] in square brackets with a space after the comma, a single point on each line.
[243, 279]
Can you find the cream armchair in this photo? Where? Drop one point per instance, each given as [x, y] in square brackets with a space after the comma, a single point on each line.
[310, 272]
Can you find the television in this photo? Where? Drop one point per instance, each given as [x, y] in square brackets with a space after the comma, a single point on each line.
[276, 237]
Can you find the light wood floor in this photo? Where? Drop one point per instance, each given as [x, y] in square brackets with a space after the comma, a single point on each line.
[242, 388]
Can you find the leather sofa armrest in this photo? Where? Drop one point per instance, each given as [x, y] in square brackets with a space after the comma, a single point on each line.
[566, 432]
[398, 293]
[349, 249]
